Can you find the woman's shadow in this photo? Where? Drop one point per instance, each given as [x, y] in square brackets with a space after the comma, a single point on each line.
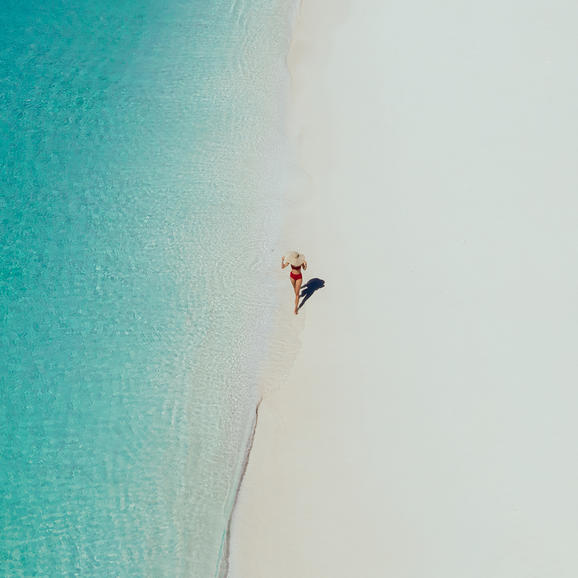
[309, 288]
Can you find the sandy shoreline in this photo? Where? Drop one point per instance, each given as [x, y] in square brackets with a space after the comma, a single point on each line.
[424, 417]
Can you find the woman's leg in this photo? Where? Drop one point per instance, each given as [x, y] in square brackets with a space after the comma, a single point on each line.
[297, 286]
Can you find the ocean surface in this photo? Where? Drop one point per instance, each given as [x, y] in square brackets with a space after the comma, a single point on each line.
[142, 162]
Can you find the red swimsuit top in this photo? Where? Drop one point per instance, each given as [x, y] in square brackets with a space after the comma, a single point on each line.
[296, 272]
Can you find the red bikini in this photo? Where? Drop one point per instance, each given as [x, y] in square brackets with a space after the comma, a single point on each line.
[296, 275]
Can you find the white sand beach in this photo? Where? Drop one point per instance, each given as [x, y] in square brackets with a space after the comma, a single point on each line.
[419, 415]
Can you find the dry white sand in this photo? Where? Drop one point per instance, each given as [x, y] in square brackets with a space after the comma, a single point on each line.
[426, 422]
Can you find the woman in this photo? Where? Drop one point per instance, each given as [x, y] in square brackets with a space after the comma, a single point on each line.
[296, 260]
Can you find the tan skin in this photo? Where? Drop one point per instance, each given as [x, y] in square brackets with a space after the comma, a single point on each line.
[295, 282]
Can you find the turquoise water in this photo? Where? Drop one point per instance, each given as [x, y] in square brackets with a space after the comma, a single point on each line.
[141, 152]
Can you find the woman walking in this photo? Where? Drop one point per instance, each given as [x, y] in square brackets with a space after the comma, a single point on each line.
[296, 260]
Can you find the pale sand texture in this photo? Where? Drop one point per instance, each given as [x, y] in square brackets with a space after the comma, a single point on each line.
[426, 427]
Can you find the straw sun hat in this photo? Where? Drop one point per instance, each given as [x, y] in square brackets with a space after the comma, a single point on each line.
[294, 258]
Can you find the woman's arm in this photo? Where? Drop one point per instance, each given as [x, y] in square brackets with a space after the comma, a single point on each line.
[305, 265]
[283, 264]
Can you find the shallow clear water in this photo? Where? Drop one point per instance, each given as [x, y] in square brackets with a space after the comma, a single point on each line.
[141, 152]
